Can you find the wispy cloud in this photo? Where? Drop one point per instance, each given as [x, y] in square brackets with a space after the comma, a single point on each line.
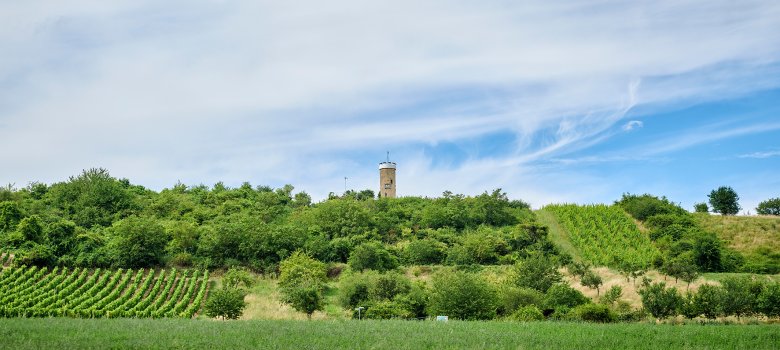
[761, 155]
[633, 125]
[290, 91]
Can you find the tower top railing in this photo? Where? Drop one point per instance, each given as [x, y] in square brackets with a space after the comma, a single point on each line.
[386, 165]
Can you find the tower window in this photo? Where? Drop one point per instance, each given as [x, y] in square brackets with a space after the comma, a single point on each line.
[391, 181]
[387, 186]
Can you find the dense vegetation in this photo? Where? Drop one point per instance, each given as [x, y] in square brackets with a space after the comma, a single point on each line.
[605, 235]
[94, 220]
[80, 292]
[262, 334]
[756, 238]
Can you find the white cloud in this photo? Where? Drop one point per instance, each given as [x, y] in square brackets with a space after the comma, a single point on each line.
[761, 155]
[632, 125]
[277, 92]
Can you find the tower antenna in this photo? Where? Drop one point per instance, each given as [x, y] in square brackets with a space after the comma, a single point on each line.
[388, 156]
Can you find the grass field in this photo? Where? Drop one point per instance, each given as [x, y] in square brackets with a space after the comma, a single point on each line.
[756, 237]
[56, 333]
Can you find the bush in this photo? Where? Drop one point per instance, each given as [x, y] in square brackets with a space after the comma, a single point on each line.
[527, 314]
[708, 301]
[612, 295]
[701, 208]
[460, 256]
[594, 313]
[301, 282]
[353, 289]
[423, 252]
[512, 298]
[769, 300]
[382, 310]
[387, 286]
[462, 295]
[563, 296]
[537, 272]
[227, 303]
[660, 301]
[373, 256]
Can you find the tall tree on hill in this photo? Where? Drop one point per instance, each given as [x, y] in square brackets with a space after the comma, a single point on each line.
[769, 207]
[724, 201]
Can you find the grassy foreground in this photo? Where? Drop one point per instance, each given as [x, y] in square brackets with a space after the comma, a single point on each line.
[58, 333]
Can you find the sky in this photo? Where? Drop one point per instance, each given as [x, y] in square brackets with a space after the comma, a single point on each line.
[571, 101]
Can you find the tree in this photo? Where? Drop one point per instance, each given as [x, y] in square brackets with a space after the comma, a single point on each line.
[701, 208]
[237, 278]
[463, 296]
[301, 282]
[592, 280]
[724, 201]
[708, 301]
[227, 303]
[706, 251]
[738, 300]
[138, 242]
[372, 255]
[660, 301]
[538, 272]
[769, 207]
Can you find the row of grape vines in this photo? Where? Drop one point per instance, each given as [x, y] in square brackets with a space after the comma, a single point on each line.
[604, 235]
[79, 292]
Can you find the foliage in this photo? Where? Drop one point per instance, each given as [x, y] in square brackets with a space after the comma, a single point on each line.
[594, 313]
[563, 296]
[227, 303]
[724, 200]
[373, 256]
[462, 295]
[138, 242]
[701, 208]
[537, 272]
[769, 207]
[642, 207]
[301, 282]
[592, 280]
[709, 301]
[604, 234]
[660, 301]
[527, 313]
[423, 252]
[768, 301]
[62, 292]
[612, 295]
[236, 277]
[512, 298]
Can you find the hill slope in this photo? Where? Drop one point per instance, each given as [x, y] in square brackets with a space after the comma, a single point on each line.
[603, 235]
[756, 237]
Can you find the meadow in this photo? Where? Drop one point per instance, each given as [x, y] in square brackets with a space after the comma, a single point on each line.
[63, 333]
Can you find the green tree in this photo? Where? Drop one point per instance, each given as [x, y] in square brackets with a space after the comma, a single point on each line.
[592, 280]
[738, 300]
[10, 215]
[138, 242]
[30, 228]
[93, 198]
[301, 282]
[701, 208]
[463, 296]
[372, 255]
[709, 301]
[769, 207]
[660, 301]
[724, 201]
[538, 272]
[227, 303]
[707, 252]
[236, 278]
[563, 297]
[769, 300]
[423, 252]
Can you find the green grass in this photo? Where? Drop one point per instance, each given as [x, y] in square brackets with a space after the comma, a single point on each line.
[48, 333]
[557, 234]
[756, 237]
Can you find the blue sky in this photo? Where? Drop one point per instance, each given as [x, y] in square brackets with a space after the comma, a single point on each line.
[551, 101]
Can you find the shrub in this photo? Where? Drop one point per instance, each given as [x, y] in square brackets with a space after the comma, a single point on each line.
[708, 301]
[769, 300]
[537, 272]
[382, 310]
[512, 298]
[301, 282]
[527, 314]
[373, 256]
[660, 301]
[594, 313]
[563, 296]
[423, 252]
[227, 303]
[460, 256]
[462, 295]
[353, 289]
[387, 286]
[612, 295]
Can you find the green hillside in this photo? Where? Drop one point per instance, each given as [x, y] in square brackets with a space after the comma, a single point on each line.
[756, 237]
[601, 234]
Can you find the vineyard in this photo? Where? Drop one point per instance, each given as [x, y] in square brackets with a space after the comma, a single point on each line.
[604, 235]
[80, 292]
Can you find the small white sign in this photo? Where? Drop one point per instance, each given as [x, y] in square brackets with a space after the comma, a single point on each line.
[442, 318]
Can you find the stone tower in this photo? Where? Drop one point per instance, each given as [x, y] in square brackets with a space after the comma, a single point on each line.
[387, 178]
